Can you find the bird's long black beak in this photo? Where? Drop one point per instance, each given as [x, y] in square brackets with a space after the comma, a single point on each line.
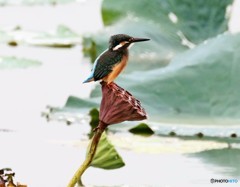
[139, 40]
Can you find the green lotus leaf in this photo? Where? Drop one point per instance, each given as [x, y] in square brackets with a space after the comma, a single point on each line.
[106, 156]
[197, 20]
[225, 159]
[201, 84]
[63, 37]
[142, 129]
[10, 62]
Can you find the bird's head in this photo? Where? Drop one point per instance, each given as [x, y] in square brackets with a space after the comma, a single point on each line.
[123, 41]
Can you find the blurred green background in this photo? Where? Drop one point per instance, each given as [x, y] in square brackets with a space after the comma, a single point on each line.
[186, 77]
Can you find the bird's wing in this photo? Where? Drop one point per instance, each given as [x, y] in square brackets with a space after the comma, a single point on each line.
[105, 64]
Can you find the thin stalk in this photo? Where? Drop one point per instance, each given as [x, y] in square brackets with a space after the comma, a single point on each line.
[95, 140]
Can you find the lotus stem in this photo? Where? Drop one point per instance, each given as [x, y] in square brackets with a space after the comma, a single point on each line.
[90, 155]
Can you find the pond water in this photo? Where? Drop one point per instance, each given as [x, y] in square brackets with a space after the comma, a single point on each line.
[47, 154]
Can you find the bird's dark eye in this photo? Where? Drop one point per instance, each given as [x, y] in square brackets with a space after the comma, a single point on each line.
[131, 39]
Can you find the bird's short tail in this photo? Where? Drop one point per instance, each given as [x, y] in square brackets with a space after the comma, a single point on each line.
[89, 79]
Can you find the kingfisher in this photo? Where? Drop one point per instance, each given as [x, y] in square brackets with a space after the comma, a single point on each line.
[113, 60]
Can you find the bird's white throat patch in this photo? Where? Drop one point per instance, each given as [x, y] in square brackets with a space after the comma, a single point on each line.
[120, 45]
[130, 45]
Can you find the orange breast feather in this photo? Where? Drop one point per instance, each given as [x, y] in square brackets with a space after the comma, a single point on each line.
[117, 69]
